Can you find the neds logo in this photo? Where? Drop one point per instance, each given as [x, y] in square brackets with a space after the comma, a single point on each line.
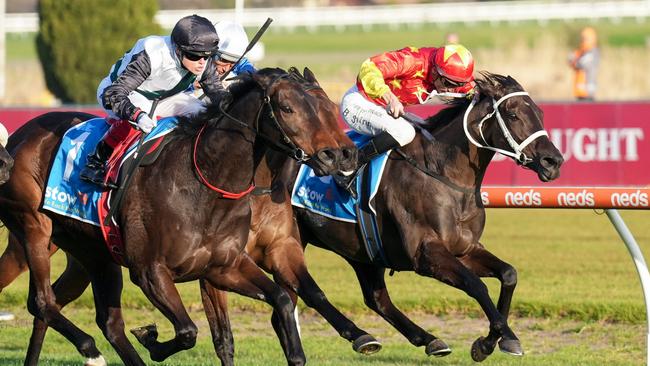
[485, 198]
[573, 199]
[530, 198]
[636, 199]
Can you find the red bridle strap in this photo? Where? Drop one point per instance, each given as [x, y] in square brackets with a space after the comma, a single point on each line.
[224, 193]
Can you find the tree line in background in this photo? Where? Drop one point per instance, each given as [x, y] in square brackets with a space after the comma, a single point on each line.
[79, 40]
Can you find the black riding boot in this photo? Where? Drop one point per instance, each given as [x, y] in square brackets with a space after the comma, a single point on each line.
[376, 146]
[95, 169]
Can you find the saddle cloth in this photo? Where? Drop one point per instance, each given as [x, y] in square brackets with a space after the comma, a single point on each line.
[66, 194]
[323, 196]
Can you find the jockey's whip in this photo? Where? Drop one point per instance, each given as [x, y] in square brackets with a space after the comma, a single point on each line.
[250, 46]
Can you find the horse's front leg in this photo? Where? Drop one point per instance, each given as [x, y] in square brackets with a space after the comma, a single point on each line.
[215, 305]
[157, 284]
[432, 259]
[375, 294]
[285, 259]
[246, 278]
[485, 264]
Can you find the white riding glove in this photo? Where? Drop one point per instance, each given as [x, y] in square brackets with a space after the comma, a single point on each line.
[145, 123]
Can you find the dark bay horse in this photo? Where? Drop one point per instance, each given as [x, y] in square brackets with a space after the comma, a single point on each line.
[273, 243]
[175, 227]
[430, 212]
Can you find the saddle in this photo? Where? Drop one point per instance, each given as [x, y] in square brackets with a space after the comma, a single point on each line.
[135, 151]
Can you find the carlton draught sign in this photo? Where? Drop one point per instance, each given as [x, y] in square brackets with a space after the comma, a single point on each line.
[603, 144]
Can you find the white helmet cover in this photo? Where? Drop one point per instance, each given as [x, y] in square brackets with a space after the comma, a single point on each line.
[232, 40]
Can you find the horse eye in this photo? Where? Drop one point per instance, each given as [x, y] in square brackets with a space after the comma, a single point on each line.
[286, 108]
[512, 115]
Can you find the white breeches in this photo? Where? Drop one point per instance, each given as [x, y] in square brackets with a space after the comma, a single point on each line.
[368, 118]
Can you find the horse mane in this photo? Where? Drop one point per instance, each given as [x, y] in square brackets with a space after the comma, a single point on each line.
[487, 84]
[242, 85]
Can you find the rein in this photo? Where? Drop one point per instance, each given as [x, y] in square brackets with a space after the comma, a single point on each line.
[434, 175]
[288, 147]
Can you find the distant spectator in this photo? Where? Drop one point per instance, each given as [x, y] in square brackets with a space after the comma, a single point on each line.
[584, 60]
[452, 38]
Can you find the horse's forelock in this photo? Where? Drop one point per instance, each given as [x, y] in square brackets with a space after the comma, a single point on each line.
[495, 85]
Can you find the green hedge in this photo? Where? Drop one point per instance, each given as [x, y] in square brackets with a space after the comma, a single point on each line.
[79, 40]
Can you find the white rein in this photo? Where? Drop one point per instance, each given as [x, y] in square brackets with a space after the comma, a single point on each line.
[517, 149]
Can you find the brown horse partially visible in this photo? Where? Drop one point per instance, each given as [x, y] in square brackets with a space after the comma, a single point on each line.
[188, 232]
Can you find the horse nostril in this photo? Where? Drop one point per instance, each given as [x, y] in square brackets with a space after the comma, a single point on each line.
[349, 153]
[326, 155]
[551, 162]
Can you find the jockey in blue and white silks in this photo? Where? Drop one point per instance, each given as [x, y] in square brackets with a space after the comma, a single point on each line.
[231, 47]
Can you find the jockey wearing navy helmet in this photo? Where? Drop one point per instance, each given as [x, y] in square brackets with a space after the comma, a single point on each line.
[149, 81]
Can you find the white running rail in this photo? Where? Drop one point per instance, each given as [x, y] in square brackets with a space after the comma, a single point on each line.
[394, 15]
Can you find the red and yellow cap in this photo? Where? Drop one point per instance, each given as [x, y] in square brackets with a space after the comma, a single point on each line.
[454, 62]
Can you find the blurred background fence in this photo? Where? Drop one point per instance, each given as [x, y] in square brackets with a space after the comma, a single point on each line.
[312, 17]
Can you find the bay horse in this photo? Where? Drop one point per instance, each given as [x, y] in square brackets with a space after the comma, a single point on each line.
[430, 213]
[273, 243]
[187, 233]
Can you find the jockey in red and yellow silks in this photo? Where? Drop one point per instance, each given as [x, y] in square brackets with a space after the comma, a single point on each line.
[388, 82]
[410, 72]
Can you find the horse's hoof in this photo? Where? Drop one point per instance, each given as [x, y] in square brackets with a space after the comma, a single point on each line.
[437, 348]
[479, 351]
[366, 345]
[511, 347]
[97, 361]
[146, 335]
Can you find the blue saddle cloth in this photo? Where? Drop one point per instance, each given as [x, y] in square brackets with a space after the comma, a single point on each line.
[66, 194]
[323, 196]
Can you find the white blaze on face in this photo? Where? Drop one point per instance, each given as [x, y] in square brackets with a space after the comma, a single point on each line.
[4, 135]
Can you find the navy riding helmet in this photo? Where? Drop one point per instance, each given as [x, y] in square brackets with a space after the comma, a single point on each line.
[195, 35]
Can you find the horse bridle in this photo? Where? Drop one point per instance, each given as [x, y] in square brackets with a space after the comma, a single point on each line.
[289, 147]
[517, 149]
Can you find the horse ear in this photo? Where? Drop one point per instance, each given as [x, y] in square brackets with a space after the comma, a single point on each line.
[309, 76]
[264, 79]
